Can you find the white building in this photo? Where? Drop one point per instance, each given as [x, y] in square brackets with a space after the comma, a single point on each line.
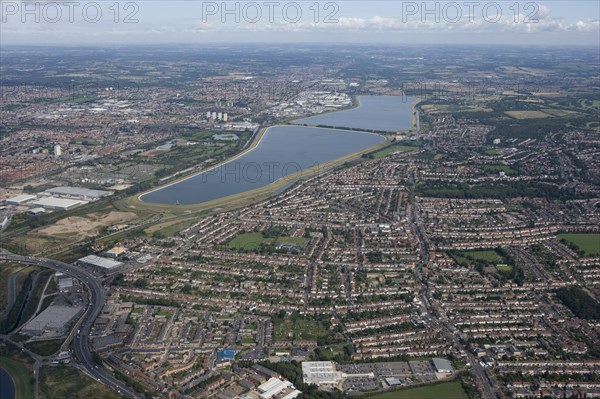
[273, 387]
[62, 204]
[57, 151]
[99, 263]
[320, 373]
[20, 199]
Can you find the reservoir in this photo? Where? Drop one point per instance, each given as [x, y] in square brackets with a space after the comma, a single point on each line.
[381, 113]
[283, 152]
[7, 386]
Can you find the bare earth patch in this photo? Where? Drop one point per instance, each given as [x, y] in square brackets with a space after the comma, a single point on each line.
[86, 226]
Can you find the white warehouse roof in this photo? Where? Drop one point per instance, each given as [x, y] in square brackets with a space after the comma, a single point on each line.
[320, 373]
[19, 199]
[57, 203]
[100, 262]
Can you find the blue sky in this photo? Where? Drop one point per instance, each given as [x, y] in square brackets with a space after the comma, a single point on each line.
[348, 21]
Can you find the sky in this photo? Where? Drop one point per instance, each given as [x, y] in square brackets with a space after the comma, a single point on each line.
[82, 22]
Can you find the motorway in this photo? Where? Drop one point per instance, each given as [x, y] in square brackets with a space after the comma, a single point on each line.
[81, 343]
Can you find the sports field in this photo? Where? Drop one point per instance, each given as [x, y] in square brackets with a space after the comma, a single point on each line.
[589, 243]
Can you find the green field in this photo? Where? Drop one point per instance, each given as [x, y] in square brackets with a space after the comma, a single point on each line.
[391, 149]
[470, 257]
[247, 241]
[85, 141]
[67, 382]
[447, 390]
[45, 348]
[500, 168]
[169, 229]
[21, 374]
[253, 241]
[589, 243]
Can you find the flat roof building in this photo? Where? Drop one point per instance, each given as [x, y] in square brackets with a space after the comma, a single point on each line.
[99, 263]
[272, 387]
[57, 203]
[21, 199]
[53, 321]
[85, 194]
[442, 365]
[320, 373]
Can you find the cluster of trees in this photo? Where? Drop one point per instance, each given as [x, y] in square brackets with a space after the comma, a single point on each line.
[501, 190]
[579, 302]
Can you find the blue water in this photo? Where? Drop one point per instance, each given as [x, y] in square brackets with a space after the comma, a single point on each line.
[381, 113]
[283, 152]
[7, 386]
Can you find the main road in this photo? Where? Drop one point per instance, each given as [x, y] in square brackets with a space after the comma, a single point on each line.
[427, 309]
[81, 343]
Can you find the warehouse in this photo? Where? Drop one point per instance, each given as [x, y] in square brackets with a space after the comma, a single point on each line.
[20, 199]
[54, 321]
[320, 373]
[272, 387]
[84, 194]
[99, 263]
[442, 365]
[57, 203]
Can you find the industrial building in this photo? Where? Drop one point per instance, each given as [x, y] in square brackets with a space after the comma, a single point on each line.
[21, 199]
[84, 194]
[273, 387]
[54, 321]
[36, 211]
[442, 365]
[62, 204]
[320, 373]
[99, 263]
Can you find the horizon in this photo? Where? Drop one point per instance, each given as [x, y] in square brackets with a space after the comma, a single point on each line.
[552, 23]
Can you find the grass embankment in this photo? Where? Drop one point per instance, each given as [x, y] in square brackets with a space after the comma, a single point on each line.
[68, 382]
[391, 150]
[6, 270]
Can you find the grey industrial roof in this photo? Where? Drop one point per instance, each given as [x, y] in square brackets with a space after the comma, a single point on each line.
[442, 364]
[54, 317]
[78, 192]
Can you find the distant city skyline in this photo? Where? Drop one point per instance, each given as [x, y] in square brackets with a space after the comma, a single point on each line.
[400, 22]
